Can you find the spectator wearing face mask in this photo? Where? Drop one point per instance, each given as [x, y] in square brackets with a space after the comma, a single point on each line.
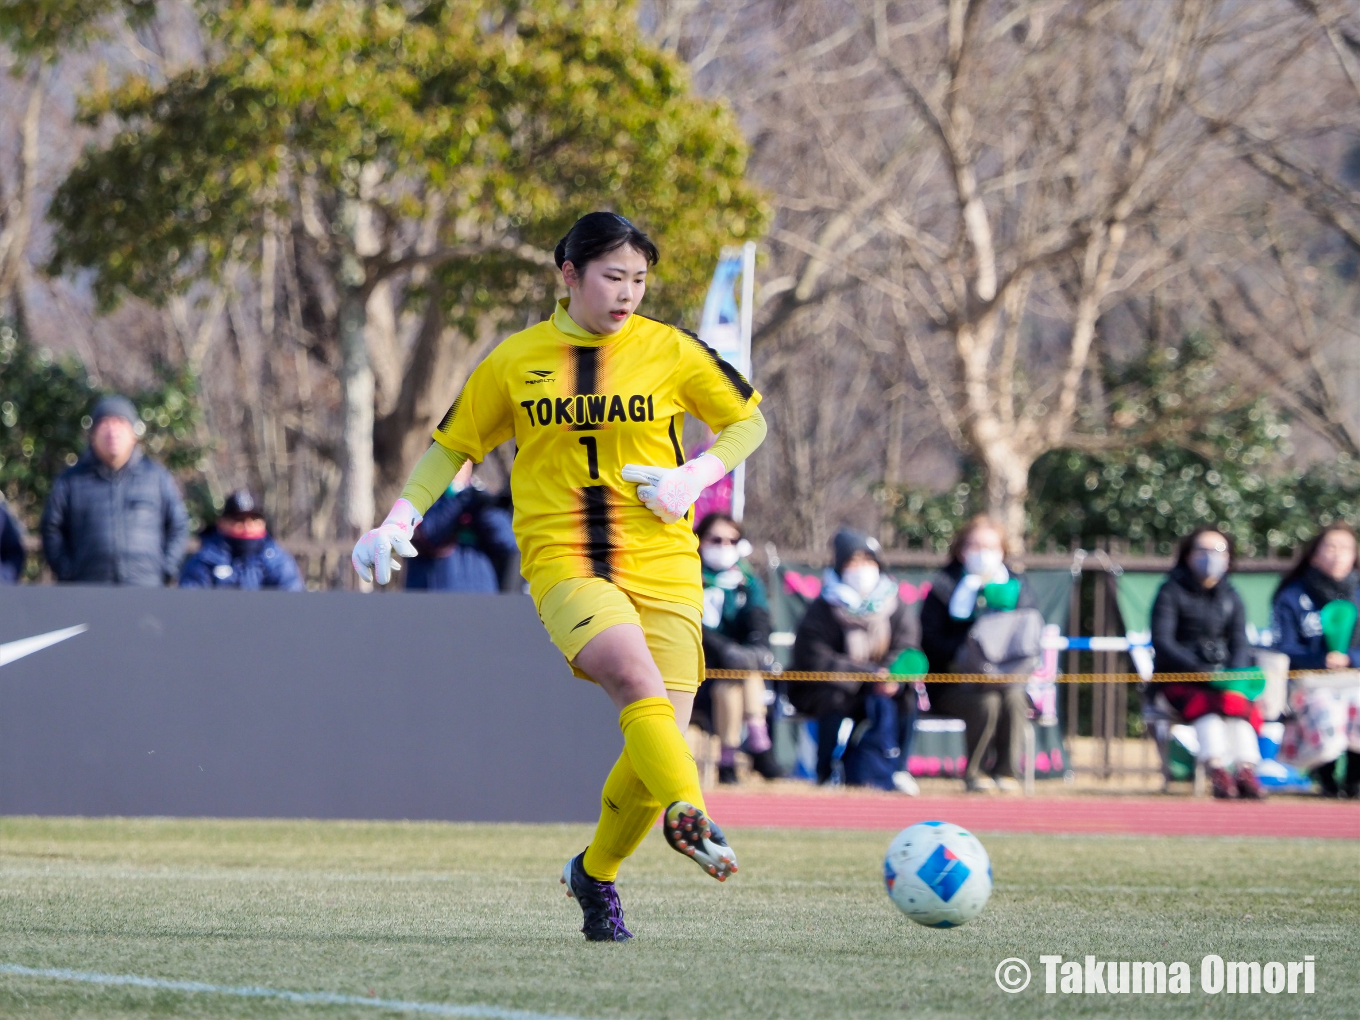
[237, 552]
[736, 636]
[1199, 625]
[858, 625]
[1314, 622]
[974, 584]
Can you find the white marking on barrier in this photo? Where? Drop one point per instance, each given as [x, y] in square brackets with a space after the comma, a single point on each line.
[13, 650]
[1108, 643]
[279, 994]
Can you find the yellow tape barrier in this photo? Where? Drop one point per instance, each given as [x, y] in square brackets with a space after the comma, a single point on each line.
[983, 678]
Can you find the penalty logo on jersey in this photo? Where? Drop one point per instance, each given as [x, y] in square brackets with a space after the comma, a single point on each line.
[944, 873]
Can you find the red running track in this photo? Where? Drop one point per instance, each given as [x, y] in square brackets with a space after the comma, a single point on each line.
[1160, 816]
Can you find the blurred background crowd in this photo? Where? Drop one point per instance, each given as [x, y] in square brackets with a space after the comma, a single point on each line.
[116, 517]
[1086, 269]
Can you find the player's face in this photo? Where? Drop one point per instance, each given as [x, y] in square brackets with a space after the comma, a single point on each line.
[608, 290]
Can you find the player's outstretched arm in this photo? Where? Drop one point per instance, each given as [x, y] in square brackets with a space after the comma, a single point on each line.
[670, 492]
[372, 556]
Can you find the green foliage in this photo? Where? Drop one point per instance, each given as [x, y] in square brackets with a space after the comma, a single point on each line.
[44, 414]
[512, 116]
[1153, 496]
[40, 421]
[44, 27]
[926, 519]
[1211, 457]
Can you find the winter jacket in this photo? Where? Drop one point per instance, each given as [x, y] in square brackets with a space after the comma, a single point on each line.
[249, 564]
[102, 526]
[13, 555]
[942, 636]
[1298, 628]
[736, 620]
[1197, 629]
[819, 646]
[466, 543]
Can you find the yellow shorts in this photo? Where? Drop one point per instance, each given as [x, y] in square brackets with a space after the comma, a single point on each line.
[578, 608]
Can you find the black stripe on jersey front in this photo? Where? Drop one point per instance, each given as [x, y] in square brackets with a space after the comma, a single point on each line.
[735, 379]
[448, 417]
[675, 443]
[599, 545]
[586, 372]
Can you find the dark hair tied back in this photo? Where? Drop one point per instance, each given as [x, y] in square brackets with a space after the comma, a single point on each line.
[597, 234]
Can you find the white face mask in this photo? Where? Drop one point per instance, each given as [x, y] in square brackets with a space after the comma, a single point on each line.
[982, 562]
[863, 579]
[719, 557]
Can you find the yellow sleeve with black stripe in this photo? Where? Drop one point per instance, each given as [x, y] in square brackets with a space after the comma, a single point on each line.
[710, 388]
[482, 416]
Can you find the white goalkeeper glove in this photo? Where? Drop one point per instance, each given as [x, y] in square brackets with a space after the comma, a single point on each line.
[670, 492]
[372, 556]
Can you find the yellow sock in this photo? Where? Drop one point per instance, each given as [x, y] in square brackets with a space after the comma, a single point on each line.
[627, 813]
[658, 752]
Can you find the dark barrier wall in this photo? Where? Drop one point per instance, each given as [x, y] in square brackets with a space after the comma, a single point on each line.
[334, 705]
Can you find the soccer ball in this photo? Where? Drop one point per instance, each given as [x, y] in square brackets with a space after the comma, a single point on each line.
[938, 874]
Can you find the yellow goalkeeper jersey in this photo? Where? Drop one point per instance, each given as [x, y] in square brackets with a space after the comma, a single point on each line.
[580, 407]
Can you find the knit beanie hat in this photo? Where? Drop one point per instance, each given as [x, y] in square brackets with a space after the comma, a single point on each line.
[848, 542]
[114, 406]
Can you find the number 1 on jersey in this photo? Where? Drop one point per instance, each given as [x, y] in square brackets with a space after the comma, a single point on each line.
[592, 455]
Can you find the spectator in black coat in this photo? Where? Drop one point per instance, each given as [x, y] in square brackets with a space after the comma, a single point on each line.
[13, 555]
[237, 552]
[465, 542]
[736, 636]
[115, 516]
[975, 583]
[1324, 574]
[1199, 625]
[856, 625]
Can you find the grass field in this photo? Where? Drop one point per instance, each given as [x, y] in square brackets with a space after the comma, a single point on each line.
[462, 914]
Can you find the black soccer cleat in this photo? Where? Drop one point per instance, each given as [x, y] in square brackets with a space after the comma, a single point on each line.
[693, 834]
[599, 903]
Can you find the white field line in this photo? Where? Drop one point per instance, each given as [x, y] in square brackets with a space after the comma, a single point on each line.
[279, 994]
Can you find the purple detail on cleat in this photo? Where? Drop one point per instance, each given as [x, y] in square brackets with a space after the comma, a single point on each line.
[611, 896]
[599, 902]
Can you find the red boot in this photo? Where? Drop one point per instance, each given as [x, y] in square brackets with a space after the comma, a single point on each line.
[1222, 782]
[1248, 785]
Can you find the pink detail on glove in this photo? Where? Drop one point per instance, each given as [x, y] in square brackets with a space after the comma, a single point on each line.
[678, 489]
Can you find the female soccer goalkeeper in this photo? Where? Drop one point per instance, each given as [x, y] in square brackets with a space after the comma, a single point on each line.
[596, 399]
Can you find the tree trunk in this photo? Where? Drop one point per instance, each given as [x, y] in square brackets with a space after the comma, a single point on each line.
[437, 366]
[356, 384]
[16, 222]
[1007, 481]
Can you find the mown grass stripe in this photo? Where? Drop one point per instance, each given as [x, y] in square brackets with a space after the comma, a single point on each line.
[280, 994]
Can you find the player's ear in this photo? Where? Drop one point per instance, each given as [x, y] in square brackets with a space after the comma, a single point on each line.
[569, 274]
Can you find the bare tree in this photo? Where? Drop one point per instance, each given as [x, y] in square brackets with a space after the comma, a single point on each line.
[1291, 308]
[1002, 174]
